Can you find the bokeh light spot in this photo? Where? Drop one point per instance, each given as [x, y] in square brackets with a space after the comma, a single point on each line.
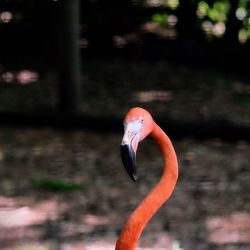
[6, 16]
[26, 77]
[8, 77]
[172, 20]
[241, 13]
[219, 29]
[242, 36]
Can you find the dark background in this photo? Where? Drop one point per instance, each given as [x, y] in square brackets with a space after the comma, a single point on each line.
[70, 70]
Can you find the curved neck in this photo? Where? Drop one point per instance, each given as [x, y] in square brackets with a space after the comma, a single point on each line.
[130, 234]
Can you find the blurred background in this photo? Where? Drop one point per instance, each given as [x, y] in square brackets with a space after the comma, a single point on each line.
[70, 70]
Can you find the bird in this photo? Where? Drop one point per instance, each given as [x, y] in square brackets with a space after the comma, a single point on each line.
[138, 124]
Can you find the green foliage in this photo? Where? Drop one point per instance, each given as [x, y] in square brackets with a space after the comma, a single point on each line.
[171, 4]
[161, 19]
[55, 185]
[243, 15]
[218, 12]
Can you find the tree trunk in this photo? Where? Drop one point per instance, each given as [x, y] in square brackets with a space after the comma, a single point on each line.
[186, 25]
[233, 24]
[69, 63]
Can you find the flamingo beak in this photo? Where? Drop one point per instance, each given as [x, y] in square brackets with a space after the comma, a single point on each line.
[129, 147]
[129, 160]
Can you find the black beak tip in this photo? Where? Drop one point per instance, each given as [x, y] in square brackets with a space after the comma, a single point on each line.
[128, 159]
[134, 178]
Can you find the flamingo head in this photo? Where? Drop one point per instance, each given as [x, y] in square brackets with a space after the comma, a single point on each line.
[138, 124]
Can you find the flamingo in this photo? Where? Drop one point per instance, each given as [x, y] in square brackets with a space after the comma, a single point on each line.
[138, 124]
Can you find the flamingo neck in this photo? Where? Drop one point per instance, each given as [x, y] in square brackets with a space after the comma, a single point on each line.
[130, 234]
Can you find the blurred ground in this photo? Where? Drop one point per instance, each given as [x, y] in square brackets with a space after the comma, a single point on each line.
[67, 190]
[60, 188]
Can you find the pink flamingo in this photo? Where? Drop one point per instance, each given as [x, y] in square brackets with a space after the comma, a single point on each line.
[139, 124]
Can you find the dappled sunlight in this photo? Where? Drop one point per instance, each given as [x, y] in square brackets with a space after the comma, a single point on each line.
[84, 43]
[153, 95]
[120, 41]
[13, 215]
[207, 26]
[231, 229]
[17, 217]
[22, 77]
[219, 29]
[161, 240]
[214, 17]
[162, 25]
[8, 77]
[172, 4]
[27, 76]
[241, 13]
[172, 20]
[95, 220]
[165, 25]
[23, 222]
[91, 217]
[33, 246]
[243, 36]
[17, 225]
[6, 17]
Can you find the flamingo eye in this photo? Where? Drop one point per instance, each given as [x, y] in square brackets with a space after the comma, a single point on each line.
[141, 119]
